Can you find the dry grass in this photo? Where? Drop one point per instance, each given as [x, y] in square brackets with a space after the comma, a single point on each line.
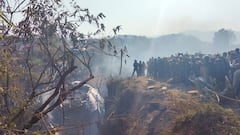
[146, 111]
[206, 120]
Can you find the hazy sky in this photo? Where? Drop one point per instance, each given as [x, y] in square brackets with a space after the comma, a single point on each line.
[156, 17]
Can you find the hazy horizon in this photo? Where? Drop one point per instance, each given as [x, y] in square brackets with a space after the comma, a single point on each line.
[158, 17]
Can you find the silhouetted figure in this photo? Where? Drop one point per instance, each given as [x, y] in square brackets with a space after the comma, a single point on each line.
[236, 82]
[144, 68]
[135, 67]
[235, 65]
[140, 69]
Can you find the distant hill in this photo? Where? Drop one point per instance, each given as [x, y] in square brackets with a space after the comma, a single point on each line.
[140, 47]
[201, 35]
[208, 35]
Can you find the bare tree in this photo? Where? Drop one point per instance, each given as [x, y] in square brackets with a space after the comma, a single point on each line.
[44, 50]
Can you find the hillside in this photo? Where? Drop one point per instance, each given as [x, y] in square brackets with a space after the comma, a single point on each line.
[166, 44]
[141, 106]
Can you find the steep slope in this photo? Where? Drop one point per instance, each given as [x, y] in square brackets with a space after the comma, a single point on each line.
[139, 106]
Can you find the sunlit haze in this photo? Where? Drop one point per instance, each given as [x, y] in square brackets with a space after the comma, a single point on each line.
[157, 17]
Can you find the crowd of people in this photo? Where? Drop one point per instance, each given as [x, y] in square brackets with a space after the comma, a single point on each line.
[181, 67]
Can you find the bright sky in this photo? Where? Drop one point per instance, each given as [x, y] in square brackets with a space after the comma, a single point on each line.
[157, 17]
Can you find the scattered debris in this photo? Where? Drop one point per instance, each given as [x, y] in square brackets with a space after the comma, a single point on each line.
[150, 87]
[193, 92]
[164, 88]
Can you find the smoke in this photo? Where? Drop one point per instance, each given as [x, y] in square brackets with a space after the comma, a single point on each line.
[105, 67]
[143, 48]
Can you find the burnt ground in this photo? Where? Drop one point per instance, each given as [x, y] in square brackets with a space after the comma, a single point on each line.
[139, 106]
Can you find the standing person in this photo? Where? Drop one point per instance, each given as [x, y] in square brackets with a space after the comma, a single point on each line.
[236, 79]
[235, 65]
[144, 68]
[135, 68]
[140, 68]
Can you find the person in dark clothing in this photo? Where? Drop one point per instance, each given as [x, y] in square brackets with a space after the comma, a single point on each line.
[144, 68]
[235, 65]
[221, 70]
[135, 68]
[140, 68]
